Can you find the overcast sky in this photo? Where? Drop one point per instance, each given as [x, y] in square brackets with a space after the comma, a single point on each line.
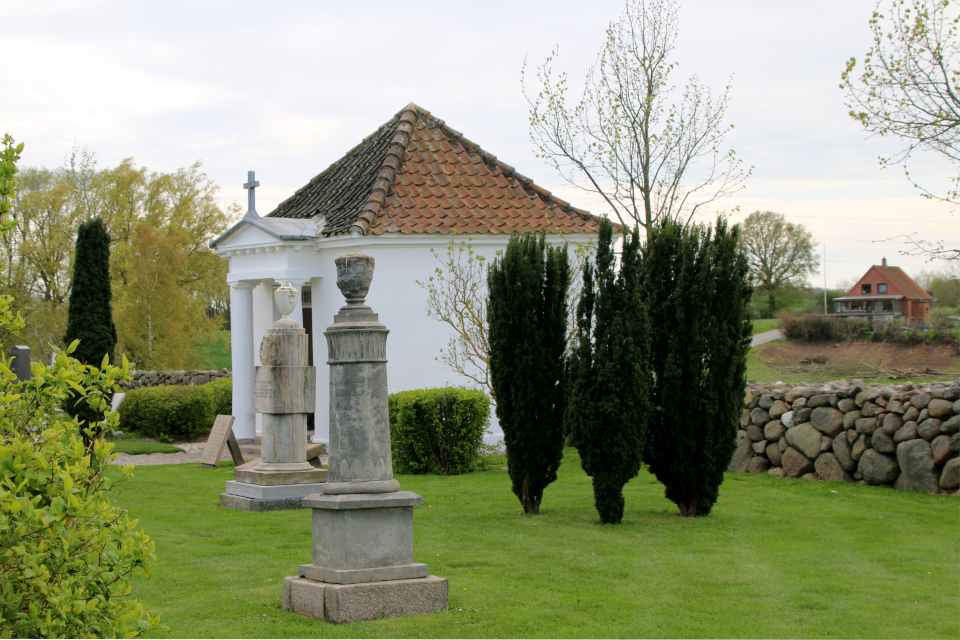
[286, 88]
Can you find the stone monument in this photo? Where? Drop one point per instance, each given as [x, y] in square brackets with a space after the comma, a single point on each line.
[363, 564]
[284, 392]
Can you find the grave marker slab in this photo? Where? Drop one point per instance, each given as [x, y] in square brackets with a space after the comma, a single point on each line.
[220, 435]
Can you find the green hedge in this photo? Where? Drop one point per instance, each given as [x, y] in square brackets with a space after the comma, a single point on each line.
[438, 430]
[175, 412]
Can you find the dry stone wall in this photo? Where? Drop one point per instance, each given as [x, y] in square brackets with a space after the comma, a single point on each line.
[904, 436]
[142, 379]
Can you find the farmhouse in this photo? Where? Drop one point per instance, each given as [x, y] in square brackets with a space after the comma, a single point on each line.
[885, 294]
[412, 186]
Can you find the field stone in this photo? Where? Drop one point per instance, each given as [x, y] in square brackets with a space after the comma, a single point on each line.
[911, 414]
[806, 439]
[920, 400]
[916, 467]
[907, 432]
[795, 464]
[877, 468]
[940, 408]
[776, 471]
[811, 477]
[863, 396]
[821, 400]
[787, 419]
[868, 410]
[742, 454]
[759, 417]
[755, 433]
[744, 418]
[782, 444]
[778, 409]
[773, 454]
[829, 468]
[929, 429]
[799, 403]
[803, 415]
[940, 448]
[894, 406]
[955, 443]
[828, 420]
[950, 478]
[774, 430]
[882, 442]
[748, 398]
[826, 444]
[892, 423]
[852, 436]
[924, 414]
[950, 426]
[841, 450]
[956, 406]
[861, 445]
[766, 401]
[758, 465]
[759, 447]
[867, 425]
[847, 405]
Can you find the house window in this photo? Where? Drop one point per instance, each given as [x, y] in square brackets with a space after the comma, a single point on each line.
[865, 289]
[882, 287]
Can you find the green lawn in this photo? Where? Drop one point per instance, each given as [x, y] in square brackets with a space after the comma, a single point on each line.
[137, 447]
[762, 326]
[777, 558]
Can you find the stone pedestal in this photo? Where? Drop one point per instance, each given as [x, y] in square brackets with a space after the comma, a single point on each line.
[363, 564]
[284, 393]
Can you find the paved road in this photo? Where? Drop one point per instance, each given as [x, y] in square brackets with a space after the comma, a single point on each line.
[766, 336]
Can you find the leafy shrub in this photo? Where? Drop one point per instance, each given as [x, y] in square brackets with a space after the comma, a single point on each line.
[438, 430]
[168, 413]
[812, 327]
[221, 395]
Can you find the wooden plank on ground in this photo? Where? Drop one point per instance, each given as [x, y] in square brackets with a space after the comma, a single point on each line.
[220, 435]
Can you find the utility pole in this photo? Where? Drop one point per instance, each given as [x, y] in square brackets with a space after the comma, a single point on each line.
[824, 278]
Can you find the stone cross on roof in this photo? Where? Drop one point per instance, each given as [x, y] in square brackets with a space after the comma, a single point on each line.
[250, 185]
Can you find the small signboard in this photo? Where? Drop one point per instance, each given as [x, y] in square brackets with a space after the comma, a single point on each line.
[220, 435]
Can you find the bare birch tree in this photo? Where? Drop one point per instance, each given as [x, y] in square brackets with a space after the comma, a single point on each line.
[647, 157]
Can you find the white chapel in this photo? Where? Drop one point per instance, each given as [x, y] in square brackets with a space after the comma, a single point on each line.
[404, 190]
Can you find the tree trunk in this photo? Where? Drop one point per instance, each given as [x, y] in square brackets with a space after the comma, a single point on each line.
[773, 303]
[530, 505]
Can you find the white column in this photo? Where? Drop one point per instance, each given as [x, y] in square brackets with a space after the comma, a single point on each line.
[321, 417]
[263, 312]
[241, 349]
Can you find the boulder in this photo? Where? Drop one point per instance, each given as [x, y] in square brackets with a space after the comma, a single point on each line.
[877, 468]
[920, 400]
[852, 436]
[940, 448]
[811, 477]
[755, 433]
[940, 408]
[847, 404]
[950, 478]
[863, 396]
[827, 420]
[795, 464]
[861, 445]
[951, 425]
[759, 417]
[806, 439]
[773, 454]
[829, 468]
[787, 419]
[742, 455]
[799, 403]
[907, 432]
[776, 471]
[821, 400]
[759, 447]
[955, 443]
[916, 467]
[748, 398]
[869, 409]
[826, 444]
[774, 430]
[881, 442]
[929, 429]
[758, 465]
[744, 418]
[841, 450]
[911, 414]
[867, 425]
[956, 406]
[766, 401]
[894, 406]
[778, 409]
[892, 423]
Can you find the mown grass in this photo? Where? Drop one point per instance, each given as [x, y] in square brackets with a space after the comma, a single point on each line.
[777, 558]
[762, 326]
[137, 447]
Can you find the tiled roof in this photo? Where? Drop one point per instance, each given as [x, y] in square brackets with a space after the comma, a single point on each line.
[417, 175]
[904, 282]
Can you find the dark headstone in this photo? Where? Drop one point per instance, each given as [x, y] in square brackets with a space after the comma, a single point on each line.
[20, 366]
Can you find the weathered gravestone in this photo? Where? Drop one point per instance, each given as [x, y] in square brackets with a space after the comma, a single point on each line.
[20, 366]
[221, 435]
[284, 392]
[363, 565]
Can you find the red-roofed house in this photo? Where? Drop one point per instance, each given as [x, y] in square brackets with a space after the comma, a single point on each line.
[885, 294]
[403, 191]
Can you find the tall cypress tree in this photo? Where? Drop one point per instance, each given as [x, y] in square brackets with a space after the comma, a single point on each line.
[90, 316]
[609, 373]
[527, 318]
[696, 282]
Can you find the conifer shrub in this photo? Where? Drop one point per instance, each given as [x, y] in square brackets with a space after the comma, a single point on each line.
[609, 374]
[438, 431]
[696, 286]
[168, 413]
[527, 320]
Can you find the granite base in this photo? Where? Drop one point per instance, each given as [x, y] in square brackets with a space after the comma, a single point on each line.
[339, 603]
